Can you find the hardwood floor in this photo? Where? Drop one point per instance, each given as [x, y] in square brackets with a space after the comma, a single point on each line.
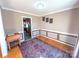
[14, 53]
[55, 43]
[0, 53]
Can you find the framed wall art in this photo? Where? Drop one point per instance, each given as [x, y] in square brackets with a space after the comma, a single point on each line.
[47, 19]
[51, 20]
[43, 18]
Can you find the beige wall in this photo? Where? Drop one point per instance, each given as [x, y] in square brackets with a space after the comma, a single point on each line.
[67, 21]
[12, 21]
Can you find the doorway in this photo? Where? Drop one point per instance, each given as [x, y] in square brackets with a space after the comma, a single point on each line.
[27, 28]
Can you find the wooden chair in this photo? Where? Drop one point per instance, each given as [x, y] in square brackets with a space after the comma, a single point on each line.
[12, 38]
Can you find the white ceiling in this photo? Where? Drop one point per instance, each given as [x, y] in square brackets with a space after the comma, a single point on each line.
[28, 5]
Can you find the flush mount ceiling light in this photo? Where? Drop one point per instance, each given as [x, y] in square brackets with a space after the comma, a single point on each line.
[40, 5]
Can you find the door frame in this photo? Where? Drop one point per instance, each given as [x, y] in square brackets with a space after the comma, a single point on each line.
[23, 26]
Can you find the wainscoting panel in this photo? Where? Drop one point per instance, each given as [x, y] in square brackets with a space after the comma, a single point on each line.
[52, 35]
[68, 39]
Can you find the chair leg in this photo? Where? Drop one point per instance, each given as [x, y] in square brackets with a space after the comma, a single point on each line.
[19, 42]
[9, 46]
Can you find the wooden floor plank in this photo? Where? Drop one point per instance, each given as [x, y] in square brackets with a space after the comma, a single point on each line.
[14, 53]
[0, 53]
[56, 44]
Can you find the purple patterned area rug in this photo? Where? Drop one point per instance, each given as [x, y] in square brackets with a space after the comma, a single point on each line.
[37, 49]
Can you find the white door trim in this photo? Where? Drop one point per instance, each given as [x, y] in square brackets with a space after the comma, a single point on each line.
[23, 27]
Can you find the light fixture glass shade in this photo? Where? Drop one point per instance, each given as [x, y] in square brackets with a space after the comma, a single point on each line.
[40, 5]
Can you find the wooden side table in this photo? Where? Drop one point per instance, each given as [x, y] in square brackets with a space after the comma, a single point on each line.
[12, 38]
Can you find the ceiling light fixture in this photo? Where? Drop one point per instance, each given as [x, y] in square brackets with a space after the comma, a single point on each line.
[40, 5]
